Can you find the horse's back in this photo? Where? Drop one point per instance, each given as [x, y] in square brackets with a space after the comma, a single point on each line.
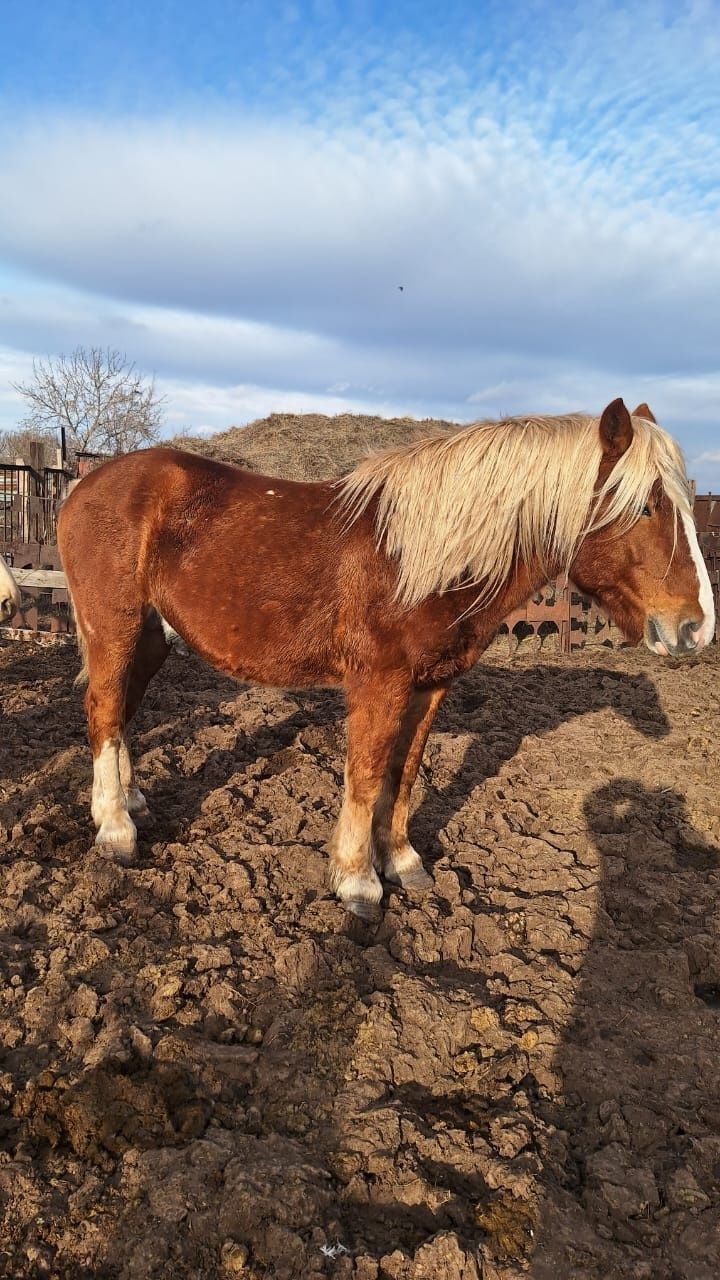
[170, 475]
[243, 566]
[161, 493]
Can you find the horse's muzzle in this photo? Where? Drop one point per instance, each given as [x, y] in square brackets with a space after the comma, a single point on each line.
[675, 640]
[9, 606]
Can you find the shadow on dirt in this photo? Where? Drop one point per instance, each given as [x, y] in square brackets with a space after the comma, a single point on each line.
[629, 1176]
[550, 696]
[640, 1079]
[377, 1107]
[479, 702]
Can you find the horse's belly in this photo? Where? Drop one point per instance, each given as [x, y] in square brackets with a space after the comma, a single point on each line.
[262, 640]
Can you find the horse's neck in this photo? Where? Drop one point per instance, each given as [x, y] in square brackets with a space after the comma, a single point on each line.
[522, 583]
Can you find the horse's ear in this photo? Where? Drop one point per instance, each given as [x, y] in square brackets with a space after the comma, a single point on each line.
[644, 411]
[616, 429]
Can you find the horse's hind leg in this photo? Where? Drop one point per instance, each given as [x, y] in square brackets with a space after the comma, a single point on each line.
[398, 860]
[375, 712]
[150, 653]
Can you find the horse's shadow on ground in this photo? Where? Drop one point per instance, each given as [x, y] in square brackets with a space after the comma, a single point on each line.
[639, 1097]
[551, 696]
[637, 1060]
[476, 707]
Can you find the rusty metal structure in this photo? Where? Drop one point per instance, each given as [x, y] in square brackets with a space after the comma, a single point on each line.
[560, 611]
[707, 516]
[707, 513]
[29, 499]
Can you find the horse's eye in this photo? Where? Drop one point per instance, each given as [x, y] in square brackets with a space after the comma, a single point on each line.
[647, 512]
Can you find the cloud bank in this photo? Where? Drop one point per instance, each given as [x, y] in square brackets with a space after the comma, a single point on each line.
[547, 199]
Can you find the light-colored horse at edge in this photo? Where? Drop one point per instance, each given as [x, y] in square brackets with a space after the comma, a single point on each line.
[9, 593]
[389, 583]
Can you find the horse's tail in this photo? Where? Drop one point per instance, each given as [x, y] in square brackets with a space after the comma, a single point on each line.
[83, 675]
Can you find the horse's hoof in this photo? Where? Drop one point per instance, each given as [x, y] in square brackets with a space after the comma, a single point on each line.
[415, 881]
[119, 842]
[137, 805]
[369, 911]
[124, 856]
[405, 868]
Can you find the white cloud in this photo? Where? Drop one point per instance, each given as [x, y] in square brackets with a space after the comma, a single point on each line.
[497, 243]
[556, 237]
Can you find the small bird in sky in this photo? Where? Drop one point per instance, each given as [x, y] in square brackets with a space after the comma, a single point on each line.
[401, 287]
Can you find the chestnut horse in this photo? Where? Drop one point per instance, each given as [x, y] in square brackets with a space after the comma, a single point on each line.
[389, 583]
[9, 593]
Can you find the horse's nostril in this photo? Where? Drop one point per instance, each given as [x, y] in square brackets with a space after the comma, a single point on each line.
[687, 635]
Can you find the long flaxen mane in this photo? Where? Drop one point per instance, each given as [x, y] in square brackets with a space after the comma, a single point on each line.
[466, 507]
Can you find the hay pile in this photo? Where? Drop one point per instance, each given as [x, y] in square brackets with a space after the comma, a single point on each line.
[309, 446]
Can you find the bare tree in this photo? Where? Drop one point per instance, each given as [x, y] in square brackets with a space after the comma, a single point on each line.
[103, 403]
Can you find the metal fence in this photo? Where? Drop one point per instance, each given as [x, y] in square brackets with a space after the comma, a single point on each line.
[28, 502]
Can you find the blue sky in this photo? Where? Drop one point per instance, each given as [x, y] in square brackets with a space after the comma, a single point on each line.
[232, 194]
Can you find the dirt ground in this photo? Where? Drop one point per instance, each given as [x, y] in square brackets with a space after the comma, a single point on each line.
[208, 1069]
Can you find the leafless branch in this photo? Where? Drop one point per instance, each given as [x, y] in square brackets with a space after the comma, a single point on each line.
[98, 396]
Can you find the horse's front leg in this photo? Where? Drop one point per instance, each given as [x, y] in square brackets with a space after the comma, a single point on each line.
[398, 860]
[136, 803]
[105, 707]
[375, 715]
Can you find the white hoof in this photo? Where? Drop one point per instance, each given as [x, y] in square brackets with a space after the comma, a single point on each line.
[137, 804]
[360, 894]
[404, 867]
[119, 836]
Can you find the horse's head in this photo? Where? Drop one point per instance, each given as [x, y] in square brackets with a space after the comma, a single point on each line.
[641, 559]
[9, 593]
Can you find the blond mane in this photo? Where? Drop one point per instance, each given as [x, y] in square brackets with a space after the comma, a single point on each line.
[466, 507]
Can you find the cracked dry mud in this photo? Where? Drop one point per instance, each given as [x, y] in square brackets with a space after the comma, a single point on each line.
[208, 1069]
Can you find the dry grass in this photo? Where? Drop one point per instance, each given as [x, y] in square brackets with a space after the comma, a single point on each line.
[310, 446]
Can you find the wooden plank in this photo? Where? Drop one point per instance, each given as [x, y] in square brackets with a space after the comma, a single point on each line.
[39, 578]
